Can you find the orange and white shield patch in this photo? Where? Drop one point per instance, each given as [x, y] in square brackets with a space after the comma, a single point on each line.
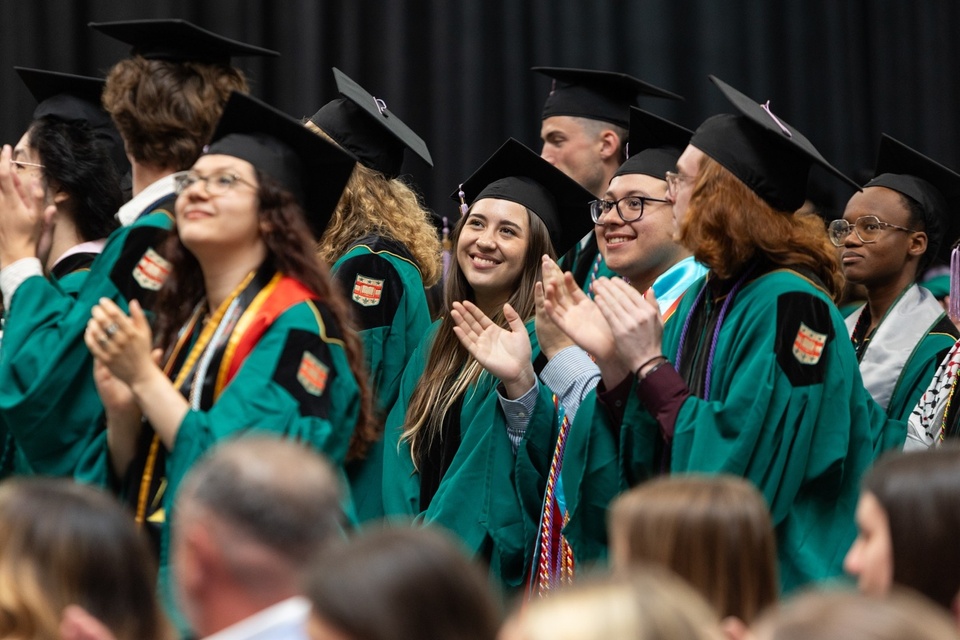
[808, 345]
[312, 374]
[152, 270]
[367, 291]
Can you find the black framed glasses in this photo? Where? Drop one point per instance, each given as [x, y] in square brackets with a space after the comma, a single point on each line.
[867, 228]
[629, 208]
[216, 184]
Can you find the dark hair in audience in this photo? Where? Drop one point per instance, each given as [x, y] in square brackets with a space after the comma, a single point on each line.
[62, 543]
[727, 225]
[834, 615]
[276, 492]
[78, 163]
[395, 584]
[920, 493]
[714, 532]
[292, 250]
[931, 225]
[166, 111]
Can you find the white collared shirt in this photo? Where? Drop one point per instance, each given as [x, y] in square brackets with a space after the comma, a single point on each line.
[286, 620]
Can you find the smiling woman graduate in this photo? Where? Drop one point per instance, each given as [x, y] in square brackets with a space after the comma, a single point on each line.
[448, 458]
[253, 334]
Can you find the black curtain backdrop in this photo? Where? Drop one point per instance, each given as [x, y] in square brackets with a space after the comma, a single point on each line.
[457, 71]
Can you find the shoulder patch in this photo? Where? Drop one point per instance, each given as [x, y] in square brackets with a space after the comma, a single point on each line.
[305, 370]
[804, 329]
[374, 287]
[367, 291]
[152, 270]
[134, 266]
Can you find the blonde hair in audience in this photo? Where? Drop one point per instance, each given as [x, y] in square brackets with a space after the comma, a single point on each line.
[714, 532]
[651, 604]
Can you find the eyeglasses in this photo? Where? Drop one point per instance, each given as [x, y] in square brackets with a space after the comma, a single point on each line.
[20, 166]
[867, 228]
[629, 208]
[673, 182]
[216, 184]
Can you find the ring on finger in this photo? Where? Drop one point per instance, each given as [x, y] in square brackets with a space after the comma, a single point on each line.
[111, 330]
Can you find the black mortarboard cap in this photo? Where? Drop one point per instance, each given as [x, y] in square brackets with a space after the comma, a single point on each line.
[311, 168]
[178, 41]
[763, 151]
[364, 126]
[597, 95]
[654, 145]
[518, 174]
[74, 98]
[935, 187]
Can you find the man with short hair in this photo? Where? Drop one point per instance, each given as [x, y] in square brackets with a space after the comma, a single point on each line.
[249, 517]
[584, 131]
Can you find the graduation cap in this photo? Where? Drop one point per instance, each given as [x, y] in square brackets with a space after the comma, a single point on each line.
[518, 174]
[597, 95]
[655, 145]
[365, 126]
[311, 168]
[762, 150]
[177, 41]
[933, 186]
[74, 98]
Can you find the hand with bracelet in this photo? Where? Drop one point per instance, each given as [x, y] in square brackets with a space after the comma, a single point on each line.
[634, 320]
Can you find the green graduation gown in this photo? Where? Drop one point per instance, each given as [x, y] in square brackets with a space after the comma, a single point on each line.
[476, 498]
[382, 282]
[901, 356]
[48, 400]
[786, 409]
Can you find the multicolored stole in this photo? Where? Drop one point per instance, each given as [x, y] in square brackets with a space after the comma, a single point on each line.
[553, 564]
[201, 366]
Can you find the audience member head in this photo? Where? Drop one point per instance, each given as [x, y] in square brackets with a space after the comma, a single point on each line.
[649, 605]
[248, 519]
[908, 521]
[850, 616]
[714, 532]
[65, 544]
[394, 584]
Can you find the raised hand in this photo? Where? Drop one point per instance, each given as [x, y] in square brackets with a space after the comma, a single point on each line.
[576, 314]
[505, 353]
[21, 212]
[551, 338]
[633, 318]
[123, 343]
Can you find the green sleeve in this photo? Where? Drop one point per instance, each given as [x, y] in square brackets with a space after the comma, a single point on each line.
[48, 400]
[914, 379]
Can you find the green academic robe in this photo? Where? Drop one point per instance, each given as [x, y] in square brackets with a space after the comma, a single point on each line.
[786, 409]
[476, 499]
[382, 282]
[48, 400]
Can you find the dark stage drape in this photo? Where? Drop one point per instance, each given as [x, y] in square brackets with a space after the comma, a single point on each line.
[457, 71]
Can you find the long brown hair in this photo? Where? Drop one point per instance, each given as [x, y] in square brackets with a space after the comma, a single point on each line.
[373, 203]
[450, 369]
[715, 532]
[291, 250]
[727, 225]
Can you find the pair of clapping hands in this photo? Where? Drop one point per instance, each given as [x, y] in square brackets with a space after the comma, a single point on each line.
[620, 327]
